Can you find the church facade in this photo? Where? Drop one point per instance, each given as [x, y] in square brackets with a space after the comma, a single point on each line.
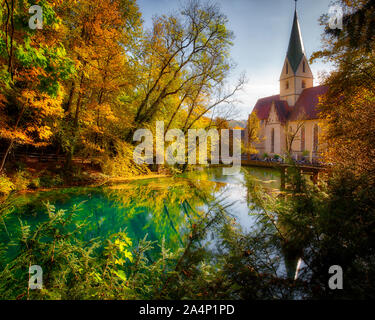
[289, 121]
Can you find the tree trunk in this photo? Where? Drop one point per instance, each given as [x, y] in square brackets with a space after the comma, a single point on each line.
[70, 100]
[68, 166]
[11, 141]
[6, 155]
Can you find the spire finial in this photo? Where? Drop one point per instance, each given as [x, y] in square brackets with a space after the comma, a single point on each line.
[295, 5]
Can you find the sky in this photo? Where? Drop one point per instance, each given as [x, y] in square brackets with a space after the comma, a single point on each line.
[262, 30]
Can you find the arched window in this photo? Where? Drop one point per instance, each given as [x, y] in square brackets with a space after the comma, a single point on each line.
[303, 84]
[287, 85]
[272, 140]
[286, 68]
[315, 138]
[303, 138]
[303, 66]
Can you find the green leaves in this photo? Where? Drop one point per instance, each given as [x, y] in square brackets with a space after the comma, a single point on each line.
[121, 274]
[54, 61]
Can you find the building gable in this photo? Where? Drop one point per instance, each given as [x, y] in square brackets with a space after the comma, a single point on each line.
[273, 117]
[263, 106]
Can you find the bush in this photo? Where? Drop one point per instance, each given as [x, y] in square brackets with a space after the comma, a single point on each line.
[21, 180]
[19, 165]
[6, 186]
[34, 184]
[306, 153]
[80, 270]
[123, 165]
[49, 181]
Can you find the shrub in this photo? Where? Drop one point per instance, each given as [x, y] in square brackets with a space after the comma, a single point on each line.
[20, 165]
[34, 184]
[21, 180]
[49, 181]
[306, 153]
[6, 186]
[123, 165]
[100, 269]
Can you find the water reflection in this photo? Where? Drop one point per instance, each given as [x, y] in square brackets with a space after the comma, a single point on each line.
[161, 208]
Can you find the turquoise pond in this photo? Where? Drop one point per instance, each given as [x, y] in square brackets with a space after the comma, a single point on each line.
[159, 208]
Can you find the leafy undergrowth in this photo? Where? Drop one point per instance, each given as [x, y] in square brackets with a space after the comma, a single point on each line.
[325, 225]
[118, 268]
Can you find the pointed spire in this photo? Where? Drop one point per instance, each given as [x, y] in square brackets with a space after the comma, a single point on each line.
[296, 49]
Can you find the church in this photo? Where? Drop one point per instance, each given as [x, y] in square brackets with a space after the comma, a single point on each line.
[289, 121]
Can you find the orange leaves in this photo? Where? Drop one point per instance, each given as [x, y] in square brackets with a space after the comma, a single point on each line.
[107, 113]
[97, 113]
[34, 126]
[44, 132]
[99, 32]
[43, 104]
[91, 147]
[349, 130]
[31, 75]
[20, 136]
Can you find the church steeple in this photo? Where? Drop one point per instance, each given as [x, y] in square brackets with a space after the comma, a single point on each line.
[296, 74]
[296, 49]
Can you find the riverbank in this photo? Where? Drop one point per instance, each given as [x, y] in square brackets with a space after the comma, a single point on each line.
[32, 176]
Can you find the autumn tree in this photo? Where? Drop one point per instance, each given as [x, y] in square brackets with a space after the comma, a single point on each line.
[102, 34]
[252, 132]
[348, 106]
[293, 133]
[92, 76]
[187, 57]
[34, 65]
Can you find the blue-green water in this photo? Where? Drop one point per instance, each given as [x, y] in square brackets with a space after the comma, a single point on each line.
[161, 208]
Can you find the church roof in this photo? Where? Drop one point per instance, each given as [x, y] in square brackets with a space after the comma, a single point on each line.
[296, 49]
[283, 110]
[305, 107]
[263, 106]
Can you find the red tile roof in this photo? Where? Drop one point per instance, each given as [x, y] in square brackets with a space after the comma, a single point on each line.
[263, 106]
[283, 110]
[306, 105]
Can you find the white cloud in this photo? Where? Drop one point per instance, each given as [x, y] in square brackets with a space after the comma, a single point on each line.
[254, 89]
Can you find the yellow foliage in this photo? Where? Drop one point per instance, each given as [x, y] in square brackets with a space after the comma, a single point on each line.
[6, 185]
[123, 165]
